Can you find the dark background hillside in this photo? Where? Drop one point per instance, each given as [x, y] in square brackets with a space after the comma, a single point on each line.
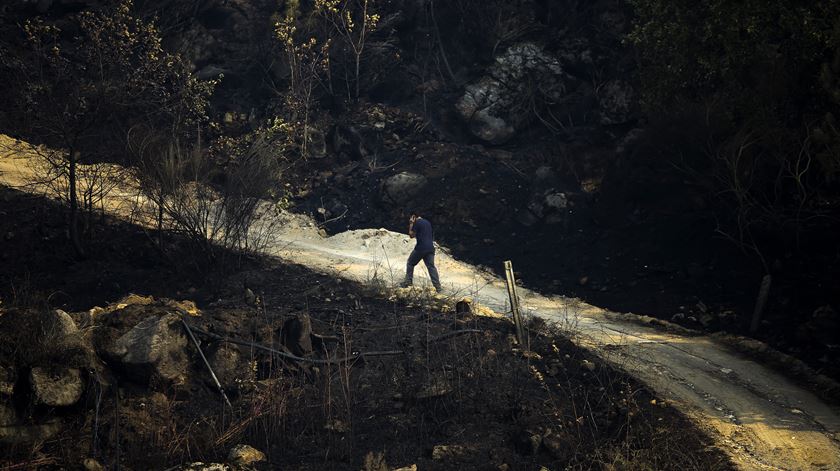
[647, 156]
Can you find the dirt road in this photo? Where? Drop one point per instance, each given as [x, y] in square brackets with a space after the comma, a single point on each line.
[761, 419]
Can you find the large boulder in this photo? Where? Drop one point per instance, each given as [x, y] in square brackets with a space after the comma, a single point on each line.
[493, 106]
[400, 188]
[153, 349]
[57, 386]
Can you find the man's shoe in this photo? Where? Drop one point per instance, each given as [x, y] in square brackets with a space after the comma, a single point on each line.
[405, 284]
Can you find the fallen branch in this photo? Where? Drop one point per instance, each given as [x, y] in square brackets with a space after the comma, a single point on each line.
[206, 363]
[290, 356]
[455, 334]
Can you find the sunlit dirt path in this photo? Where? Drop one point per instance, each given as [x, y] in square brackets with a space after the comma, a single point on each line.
[760, 418]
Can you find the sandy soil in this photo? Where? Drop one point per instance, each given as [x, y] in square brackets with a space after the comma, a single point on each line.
[760, 418]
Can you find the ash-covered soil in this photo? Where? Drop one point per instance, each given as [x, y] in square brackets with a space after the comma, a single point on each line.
[459, 394]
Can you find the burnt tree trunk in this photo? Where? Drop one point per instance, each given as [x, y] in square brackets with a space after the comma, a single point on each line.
[74, 206]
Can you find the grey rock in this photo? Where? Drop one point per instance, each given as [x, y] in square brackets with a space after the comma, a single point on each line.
[400, 188]
[56, 387]
[556, 201]
[492, 105]
[156, 347]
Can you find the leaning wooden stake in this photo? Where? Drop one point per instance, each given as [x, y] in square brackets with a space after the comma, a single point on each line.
[760, 302]
[206, 363]
[514, 301]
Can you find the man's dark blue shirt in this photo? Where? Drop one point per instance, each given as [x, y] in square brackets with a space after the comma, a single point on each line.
[423, 234]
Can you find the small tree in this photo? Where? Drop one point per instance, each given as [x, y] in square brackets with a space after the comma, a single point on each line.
[352, 21]
[79, 93]
[307, 62]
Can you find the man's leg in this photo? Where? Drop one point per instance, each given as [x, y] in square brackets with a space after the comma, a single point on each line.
[413, 259]
[429, 260]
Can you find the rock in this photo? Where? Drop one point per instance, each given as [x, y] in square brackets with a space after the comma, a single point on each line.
[436, 386]
[492, 106]
[528, 442]
[316, 143]
[8, 378]
[449, 452]
[400, 188]
[348, 140]
[823, 327]
[296, 335]
[59, 324]
[407, 468]
[210, 71]
[199, 466]
[187, 306]
[544, 173]
[131, 300]
[430, 86]
[12, 431]
[56, 387]
[616, 101]
[527, 218]
[91, 464]
[245, 455]
[558, 446]
[556, 201]
[375, 461]
[229, 366]
[706, 319]
[250, 297]
[464, 307]
[154, 349]
[588, 365]
[629, 140]
[338, 426]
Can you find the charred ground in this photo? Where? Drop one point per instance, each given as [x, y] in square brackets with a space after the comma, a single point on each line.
[473, 400]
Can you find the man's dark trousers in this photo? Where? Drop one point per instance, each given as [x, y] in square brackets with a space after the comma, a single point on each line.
[429, 259]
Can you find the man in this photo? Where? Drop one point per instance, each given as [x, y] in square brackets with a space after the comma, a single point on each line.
[421, 229]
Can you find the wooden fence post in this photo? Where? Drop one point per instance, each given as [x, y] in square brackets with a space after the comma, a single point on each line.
[514, 302]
